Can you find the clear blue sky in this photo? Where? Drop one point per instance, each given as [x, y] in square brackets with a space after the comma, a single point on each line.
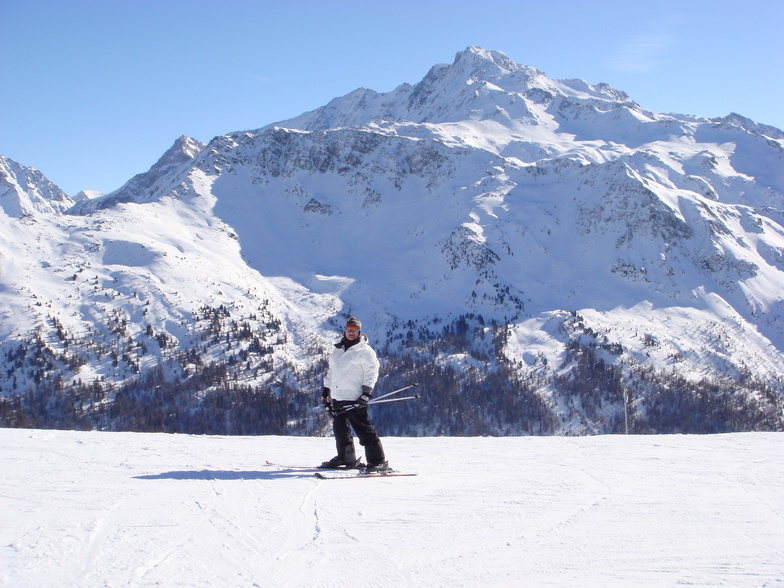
[94, 91]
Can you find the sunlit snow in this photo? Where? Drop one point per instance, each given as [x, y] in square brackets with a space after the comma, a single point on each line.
[123, 509]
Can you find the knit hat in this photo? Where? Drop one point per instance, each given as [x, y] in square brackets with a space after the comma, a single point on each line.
[354, 322]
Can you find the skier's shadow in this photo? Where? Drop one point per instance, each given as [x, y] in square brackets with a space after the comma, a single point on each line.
[229, 475]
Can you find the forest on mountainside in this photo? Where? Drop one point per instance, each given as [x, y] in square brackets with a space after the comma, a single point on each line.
[208, 389]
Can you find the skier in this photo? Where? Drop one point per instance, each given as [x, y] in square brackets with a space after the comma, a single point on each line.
[348, 384]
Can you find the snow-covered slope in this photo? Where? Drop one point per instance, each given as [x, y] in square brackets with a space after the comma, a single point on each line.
[485, 217]
[123, 509]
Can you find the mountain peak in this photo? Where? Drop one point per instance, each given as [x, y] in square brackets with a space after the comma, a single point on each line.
[473, 65]
[183, 150]
[483, 59]
[25, 191]
[465, 89]
[747, 124]
[138, 187]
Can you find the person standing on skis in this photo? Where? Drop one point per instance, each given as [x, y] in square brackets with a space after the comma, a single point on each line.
[348, 384]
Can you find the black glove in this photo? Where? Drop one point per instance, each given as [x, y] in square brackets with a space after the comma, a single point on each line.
[366, 393]
[326, 400]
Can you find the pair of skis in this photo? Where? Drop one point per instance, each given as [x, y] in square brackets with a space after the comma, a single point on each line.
[390, 473]
[344, 473]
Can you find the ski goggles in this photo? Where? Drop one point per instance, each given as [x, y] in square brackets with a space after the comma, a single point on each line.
[352, 329]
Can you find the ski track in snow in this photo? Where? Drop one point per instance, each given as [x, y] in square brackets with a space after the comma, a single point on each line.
[122, 509]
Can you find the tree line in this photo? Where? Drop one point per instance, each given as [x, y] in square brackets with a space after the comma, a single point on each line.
[214, 387]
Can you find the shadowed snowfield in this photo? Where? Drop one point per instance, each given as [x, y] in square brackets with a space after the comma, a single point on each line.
[124, 509]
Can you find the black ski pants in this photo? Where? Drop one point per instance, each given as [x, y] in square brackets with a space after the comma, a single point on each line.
[359, 420]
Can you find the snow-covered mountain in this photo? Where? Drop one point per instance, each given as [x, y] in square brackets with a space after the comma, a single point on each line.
[487, 220]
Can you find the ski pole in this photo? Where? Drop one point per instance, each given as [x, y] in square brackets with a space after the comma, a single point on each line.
[377, 401]
[414, 385]
[393, 399]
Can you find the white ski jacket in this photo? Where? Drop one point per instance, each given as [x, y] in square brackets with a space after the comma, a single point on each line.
[350, 369]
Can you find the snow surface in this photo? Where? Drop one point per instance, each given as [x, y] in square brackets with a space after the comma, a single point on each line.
[125, 509]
